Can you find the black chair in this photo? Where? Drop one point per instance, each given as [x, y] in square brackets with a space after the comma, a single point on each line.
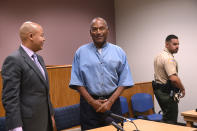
[2, 124]
[67, 117]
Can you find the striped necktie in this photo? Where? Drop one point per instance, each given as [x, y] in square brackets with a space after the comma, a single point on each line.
[35, 59]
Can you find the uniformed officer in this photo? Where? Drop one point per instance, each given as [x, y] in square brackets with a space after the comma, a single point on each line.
[167, 80]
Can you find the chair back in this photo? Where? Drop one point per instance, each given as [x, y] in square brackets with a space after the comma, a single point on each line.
[142, 102]
[124, 105]
[67, 117]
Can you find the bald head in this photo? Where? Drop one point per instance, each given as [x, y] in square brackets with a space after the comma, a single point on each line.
[32, 36]
[26, 28]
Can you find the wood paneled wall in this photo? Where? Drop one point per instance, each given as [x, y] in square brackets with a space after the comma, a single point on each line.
[61, 95]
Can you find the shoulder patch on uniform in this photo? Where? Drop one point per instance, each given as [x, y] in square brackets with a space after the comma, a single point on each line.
[171, 60]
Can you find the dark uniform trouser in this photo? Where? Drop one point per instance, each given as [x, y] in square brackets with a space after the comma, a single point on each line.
[90, 119]
[168, 106]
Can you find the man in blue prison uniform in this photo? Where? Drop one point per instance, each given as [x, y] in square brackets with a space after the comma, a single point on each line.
[100, 72]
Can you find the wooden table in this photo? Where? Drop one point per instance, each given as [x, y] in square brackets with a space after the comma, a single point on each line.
[144, 125]
[190, 117]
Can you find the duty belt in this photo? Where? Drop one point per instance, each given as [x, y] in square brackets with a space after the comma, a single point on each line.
[163, 87]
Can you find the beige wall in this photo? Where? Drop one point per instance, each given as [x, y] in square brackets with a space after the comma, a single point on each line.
[141, 29]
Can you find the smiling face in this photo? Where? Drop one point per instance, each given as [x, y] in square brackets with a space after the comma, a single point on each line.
[38, 39]
[99, 32]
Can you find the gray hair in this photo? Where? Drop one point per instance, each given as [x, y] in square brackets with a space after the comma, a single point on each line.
[98, 18]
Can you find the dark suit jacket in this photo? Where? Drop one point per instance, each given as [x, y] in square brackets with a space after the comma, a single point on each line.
[25, 93]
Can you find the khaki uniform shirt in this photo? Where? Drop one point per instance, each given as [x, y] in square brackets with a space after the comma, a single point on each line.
[164, 66]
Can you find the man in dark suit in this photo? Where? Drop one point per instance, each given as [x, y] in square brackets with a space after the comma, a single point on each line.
[25, 93]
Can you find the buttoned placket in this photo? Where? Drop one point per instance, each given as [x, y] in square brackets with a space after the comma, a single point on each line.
[100, 57]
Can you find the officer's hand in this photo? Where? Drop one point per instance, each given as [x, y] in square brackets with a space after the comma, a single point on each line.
[104, 107]
[182, 93]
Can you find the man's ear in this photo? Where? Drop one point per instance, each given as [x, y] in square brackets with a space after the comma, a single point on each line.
[30, 36]
[167, 44]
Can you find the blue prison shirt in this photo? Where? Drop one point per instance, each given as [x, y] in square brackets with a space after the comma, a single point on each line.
[100, 73]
